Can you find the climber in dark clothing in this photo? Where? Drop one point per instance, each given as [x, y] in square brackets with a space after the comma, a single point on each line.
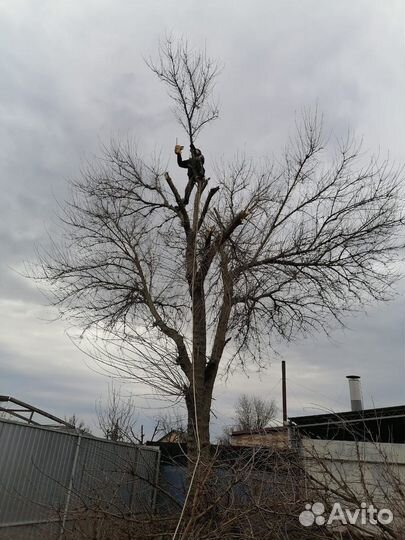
[194, 166]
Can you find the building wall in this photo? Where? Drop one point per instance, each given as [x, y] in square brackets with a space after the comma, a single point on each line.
[354, 472]
[274, 439]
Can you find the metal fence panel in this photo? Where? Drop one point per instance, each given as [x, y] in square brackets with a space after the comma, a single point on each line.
[45, 472]
[35, 465]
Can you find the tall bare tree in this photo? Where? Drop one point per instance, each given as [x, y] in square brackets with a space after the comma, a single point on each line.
[176, 288]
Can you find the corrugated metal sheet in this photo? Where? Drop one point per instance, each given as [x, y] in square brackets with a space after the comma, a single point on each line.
[39, 474]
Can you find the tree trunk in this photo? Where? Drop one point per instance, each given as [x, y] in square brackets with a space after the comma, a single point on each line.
[198, 453]
[198, 428]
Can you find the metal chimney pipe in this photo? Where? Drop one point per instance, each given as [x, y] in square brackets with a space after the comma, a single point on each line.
[355, 392]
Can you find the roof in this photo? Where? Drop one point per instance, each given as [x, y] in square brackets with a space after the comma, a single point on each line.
[262, 431]
[173, 434]
[384, 424]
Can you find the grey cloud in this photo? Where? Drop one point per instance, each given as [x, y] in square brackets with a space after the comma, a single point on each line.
[73, 76]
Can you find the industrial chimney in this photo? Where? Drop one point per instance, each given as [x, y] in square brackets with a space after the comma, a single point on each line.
[355, 392]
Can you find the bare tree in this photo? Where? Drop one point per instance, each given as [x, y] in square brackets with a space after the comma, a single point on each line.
[78, 423]
[177, 288]
[253, 413]
[173, 423]
[117, 417]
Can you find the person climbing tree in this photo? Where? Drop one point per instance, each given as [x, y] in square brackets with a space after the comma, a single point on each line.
[194, 166]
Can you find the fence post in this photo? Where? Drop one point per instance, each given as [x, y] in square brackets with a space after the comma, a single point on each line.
[69, 492]
[156, 481]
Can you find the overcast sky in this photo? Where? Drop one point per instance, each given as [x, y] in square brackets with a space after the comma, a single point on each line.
[73, 76]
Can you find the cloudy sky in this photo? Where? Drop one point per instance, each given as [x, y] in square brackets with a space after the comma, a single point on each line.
[73, 76]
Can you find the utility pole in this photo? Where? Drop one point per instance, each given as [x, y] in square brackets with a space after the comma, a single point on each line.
[284, 392]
